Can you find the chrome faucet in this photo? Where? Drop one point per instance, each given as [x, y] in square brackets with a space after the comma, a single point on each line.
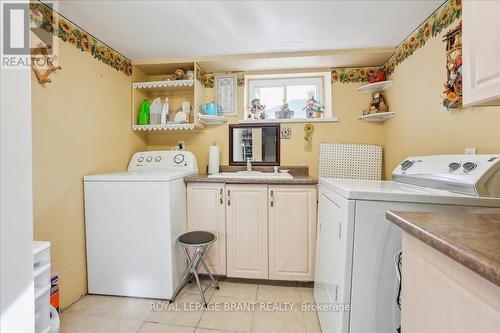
[249, 164]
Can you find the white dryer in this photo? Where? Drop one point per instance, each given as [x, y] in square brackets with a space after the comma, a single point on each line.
[356, 283]
[132, 221]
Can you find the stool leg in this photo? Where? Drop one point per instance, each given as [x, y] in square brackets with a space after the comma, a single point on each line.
[202, 294]
[191, 262]
[215, 283]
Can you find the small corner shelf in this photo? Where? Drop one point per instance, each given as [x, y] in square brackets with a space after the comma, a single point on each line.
[162, 85]
[375, 87]
[211, 120]
[163, 128]
[381, 116]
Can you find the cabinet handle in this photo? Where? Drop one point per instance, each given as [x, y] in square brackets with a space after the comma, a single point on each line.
[221, 198]
[336, 292]
[340, 230]
[272, 198]
[229, 197]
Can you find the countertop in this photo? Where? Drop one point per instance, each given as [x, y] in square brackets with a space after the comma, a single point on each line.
[472, 240]
[300, 176]
[297, 180]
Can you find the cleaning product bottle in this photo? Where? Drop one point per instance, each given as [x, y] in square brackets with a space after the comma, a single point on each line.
[164, 112]
[155, 112]
[144, 113]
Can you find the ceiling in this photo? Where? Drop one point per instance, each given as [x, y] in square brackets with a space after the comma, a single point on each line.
[145, 30]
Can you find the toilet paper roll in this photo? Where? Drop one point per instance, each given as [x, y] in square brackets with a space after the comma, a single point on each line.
[213, 160]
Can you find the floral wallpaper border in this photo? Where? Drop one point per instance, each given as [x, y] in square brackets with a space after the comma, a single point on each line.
[441, 19]
[431, 27]
[44, 17]
[353, 74]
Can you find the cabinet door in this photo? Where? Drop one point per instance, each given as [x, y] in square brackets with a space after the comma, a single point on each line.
[246, 213]
[292, 232]
[206, 212]
[481, 52]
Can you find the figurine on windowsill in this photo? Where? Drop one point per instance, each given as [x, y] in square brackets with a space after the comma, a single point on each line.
[313, 108]
[285, 112]
[257, 110]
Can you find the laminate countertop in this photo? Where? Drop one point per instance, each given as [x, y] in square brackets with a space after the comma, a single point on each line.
[472, 240]
[297, 180]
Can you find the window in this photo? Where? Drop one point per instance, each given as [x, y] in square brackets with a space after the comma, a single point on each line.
[271, 92]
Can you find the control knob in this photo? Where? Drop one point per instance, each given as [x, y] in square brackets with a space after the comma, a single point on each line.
[179, 158]
[158, 158]
[469, 166]
[453, 166]
[140, 159]
[149, 159]
[406, 165]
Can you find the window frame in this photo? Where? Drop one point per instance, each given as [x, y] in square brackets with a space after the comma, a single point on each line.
[325, 95]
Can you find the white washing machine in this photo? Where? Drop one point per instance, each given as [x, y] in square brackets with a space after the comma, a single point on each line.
[132, 221]
[356, 280]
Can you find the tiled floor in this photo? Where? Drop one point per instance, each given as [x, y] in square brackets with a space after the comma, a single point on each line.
[254, 309]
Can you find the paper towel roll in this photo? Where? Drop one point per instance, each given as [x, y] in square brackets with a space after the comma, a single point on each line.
[213, 159]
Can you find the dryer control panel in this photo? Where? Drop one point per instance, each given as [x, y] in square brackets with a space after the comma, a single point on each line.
[163, 160]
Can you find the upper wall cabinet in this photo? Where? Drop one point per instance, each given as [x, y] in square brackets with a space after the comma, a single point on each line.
[481, 53]
[184, 96]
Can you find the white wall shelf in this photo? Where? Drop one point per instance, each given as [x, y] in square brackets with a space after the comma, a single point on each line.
[162, 85]
[211, 120]
[375, 87]
[167, 127]
[382, 116]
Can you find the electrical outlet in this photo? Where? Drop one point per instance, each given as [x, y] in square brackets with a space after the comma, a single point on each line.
[181, 145]
[470, 151]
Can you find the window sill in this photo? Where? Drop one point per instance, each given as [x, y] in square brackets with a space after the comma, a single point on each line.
[267, 121]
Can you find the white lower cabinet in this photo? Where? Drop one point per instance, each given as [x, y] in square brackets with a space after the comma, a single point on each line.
[264, 231]
[292, 232]
[206, 211]
[247, 247]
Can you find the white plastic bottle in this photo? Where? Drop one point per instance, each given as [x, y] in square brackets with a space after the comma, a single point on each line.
[164, 112]
[155, 112]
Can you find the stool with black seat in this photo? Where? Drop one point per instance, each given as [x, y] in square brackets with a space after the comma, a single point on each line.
[199, 241]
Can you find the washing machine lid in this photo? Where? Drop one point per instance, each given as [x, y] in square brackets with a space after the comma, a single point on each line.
[356, 189]
[139, 176]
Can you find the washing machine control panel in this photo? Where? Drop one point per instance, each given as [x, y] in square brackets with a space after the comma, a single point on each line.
[477, 175]
[163, 161]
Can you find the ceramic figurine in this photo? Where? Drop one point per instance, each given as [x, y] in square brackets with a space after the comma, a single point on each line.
[179, 74]
[313, 109]
[285, 112]
[257, 110]
[377, 104]
[378, 77]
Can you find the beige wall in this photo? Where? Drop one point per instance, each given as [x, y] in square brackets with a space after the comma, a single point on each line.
[81, 125]
[421, 125]
[347, 106]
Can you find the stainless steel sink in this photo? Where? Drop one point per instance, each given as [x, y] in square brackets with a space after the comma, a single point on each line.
[251, 175]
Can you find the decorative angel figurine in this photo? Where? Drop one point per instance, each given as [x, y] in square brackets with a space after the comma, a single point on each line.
[257, 110]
